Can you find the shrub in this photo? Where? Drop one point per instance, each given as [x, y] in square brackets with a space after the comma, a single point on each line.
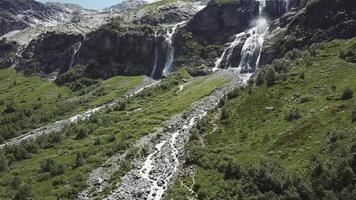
[97, 141]
[79, 160]
[15, 183]
[305, 99]
[82, 132]
[353, 115]
[293, 114]
[259, 79]
[24, 193]
[224, 114]
[4, 163]
[302, 75]
[120, 107]
[347, 94]
[10, 108]
[195, 134]
[270, 76]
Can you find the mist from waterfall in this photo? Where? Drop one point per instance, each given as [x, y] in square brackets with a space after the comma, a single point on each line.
[170, 48]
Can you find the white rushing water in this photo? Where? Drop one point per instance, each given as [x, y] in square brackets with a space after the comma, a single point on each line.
[170, 48]
[158, 185]
[156, 55]
[77, 47]
[251, 49]
[229, 50]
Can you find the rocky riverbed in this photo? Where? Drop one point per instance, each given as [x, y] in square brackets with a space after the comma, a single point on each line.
[152, 174]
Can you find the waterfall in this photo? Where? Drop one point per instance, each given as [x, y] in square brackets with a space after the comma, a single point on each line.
[229, 50]
[286, 5]
[156, 55]
[77, 47]
[170, 48]
[252, 49]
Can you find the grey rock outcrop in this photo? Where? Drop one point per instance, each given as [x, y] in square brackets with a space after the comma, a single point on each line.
[50, 52]
[317, 22]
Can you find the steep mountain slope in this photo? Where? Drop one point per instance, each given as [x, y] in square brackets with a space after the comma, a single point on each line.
[290, 137]
[22, 14]
[181, 99]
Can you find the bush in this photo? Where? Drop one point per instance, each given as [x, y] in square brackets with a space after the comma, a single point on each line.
[4, 163]
[97, 141]
[224, 114]
[195, 134]
[16, 182]
[82, 132]
[347, 94]
[293, 114]
[10, 108]
[259, 79]
[79, 160]
[270, 76]
[50, 166]
[353, 117]
[305, 99]
[120, 107]
[24, 193]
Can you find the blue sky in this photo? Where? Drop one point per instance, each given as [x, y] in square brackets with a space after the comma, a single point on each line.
[90, 4]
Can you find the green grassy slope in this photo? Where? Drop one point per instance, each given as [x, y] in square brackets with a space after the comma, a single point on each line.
[95, 140]
[29, 102]
[293, 140]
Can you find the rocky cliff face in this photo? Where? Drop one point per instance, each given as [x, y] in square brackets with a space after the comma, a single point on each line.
[49, 53]
[125, 6]
[319, 21]
[219, 21]
[128, 45]
[159, 13]
[110, 52]
[21, 14]
[8, 50]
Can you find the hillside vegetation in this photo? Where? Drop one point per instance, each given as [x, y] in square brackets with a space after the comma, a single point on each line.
[290, 134]
[29, 102]
[61, 162]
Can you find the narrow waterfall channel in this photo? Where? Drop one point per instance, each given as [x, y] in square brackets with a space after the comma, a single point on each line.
[252, 47]
[228, 51]
[77, 47]
[156, 55]
[170, 48]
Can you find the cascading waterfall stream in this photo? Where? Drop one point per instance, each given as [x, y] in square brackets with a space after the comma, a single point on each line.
[252, 48]
[253, 45]
[77, 47]
[170, 48]
[229, 50]
[156, 55]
